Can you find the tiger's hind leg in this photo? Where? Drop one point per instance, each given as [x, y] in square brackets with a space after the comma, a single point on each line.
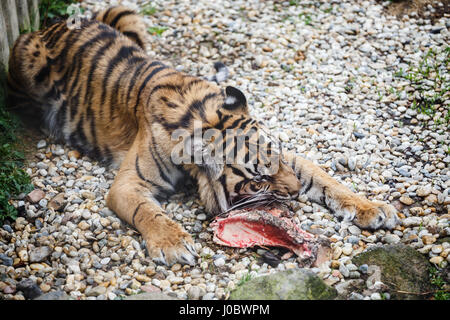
[127, 21]
[27, 73]
[321, 188]
[132, 198]
[32, 92]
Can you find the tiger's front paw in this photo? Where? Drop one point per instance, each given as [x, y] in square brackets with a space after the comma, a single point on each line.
[370, 214]
[171, 245]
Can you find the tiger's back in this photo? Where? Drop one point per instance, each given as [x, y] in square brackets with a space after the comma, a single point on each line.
[87, 81]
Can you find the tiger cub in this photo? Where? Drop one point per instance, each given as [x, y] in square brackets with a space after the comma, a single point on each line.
[98, 91]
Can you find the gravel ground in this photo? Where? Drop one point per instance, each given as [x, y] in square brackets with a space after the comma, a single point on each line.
[321, 75]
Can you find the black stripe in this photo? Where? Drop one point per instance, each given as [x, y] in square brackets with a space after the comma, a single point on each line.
[123, 54]
[244, 124]
[235, 123]
[153, 152]
[105, 16]
[238, 172]
[191, 84]
[309, 186]
[160, 87]
[223, 182]
[144, 83]
[49, 31]
[247, 146]
[88, 85]
[168, 103]
[115, 91]
[74, 103]
[209, 96]
[238, 186]
[53, 40]
[120, 16]
[42, 74]
[196, 105]
[73, 38]
[134, 37]
[323, 196]
[216, 199]
[135, 213]
[169, 74]
[80, 54]
[78, 139]
[159, 189]
[136, 74]
[221, 124]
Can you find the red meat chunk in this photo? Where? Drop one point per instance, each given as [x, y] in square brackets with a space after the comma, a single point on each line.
[265, 227]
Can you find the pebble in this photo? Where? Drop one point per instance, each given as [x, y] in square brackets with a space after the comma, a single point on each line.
[411, 221]
[406, 200]
[195, 293]
[41, 144]
[437, 260]
[219, 262]
[423, 191]
[35, 196]
[344, 270]
[363, 268]
[391, 238]
[347, 250]
[39, 254]
[354, 230]
[375, 296]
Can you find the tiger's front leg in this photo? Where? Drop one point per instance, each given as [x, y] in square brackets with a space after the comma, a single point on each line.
[132, 198]
[321, 188]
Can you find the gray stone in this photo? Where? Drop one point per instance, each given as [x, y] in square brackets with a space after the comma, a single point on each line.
[29, 288]
[39, 254]
[346, 288]
[299, 284]
[150, 296]
[5, 260]
[54, 295]
[7, 228]
[95, 291]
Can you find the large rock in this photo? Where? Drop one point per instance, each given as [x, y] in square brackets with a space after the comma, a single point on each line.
[299, 284]
[403, 269]
[54, 295]
[29, 289]
[39, 254]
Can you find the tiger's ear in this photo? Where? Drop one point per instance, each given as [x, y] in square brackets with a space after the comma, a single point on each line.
[235, 101]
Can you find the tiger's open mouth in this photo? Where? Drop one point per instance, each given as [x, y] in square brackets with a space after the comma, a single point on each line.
[257, 200]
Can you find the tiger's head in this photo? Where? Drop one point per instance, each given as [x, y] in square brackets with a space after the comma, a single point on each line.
[242, 163]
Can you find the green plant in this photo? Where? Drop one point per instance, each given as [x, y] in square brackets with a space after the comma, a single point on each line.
[244, 279]
[148, 10]
[157, 30]
[52, 9]
[431, 82]
[435, 278]
[13, 179]
[306, 18]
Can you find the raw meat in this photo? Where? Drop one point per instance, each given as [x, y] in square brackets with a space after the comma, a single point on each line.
[267, 227]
